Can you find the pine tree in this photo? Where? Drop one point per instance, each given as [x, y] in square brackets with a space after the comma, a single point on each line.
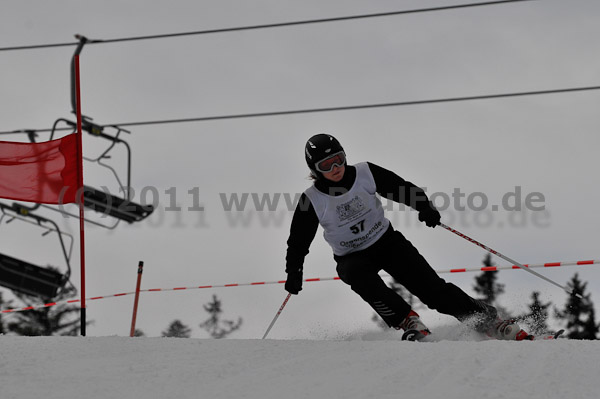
[3, 304]
[218, 328]
[537, 317]
[177, 330]
[54, 320]
[138, 333]
[486, 285]
[578, 312]
[590, 327]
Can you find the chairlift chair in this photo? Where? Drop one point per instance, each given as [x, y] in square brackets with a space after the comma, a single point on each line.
[100, 200]
[25, 277]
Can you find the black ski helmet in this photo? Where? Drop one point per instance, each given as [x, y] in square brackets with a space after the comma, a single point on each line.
[319, 147]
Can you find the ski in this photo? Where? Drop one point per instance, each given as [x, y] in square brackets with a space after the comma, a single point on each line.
[522, 336]
[416, 335]
[546, 336]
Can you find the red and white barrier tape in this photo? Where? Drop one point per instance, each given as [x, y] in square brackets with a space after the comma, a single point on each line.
[514, 267]
[463, 270]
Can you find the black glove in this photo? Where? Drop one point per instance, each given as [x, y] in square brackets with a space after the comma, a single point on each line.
[430, 216]
[293, 284]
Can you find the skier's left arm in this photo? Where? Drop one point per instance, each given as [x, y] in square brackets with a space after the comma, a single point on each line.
[391, 186]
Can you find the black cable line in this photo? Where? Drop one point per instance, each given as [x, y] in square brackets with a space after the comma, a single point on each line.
[265, 26]
[331, 109]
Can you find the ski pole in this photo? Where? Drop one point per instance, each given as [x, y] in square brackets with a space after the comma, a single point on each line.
[490, 250]
[277, 315]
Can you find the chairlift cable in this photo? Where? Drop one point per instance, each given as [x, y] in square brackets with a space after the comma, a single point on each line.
[331, 109]
[264, 26]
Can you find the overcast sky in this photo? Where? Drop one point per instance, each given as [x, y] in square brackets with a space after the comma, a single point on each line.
[541, 144]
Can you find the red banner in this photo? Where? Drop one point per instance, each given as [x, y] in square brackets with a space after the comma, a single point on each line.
[44, 173]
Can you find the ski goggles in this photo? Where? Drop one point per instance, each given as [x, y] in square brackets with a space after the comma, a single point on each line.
[327, 164]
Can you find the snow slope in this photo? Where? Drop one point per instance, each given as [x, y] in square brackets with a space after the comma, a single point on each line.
[120, 367]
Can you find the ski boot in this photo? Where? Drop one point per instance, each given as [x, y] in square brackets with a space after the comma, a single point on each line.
[508, 330]
[414, 329]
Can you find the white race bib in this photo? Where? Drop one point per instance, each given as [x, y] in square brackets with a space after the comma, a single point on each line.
[352, 221]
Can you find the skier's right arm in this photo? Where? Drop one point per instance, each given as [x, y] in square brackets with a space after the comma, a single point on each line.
[302, 232]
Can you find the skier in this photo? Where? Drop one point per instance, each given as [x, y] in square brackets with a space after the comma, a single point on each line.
[343, 201]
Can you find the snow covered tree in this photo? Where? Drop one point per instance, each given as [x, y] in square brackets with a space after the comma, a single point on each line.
[216, 327]
[62, 319]
[177, 330]
[537, 317]
[579, 313]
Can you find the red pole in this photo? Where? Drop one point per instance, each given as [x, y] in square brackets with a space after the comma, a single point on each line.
[137, 297]
[80, 195]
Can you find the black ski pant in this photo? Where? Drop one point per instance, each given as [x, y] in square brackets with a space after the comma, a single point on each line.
[394, 254]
